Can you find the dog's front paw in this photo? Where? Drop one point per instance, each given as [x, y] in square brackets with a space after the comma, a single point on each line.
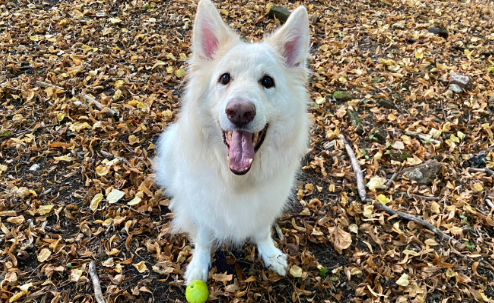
[275, 260]
[197, 270]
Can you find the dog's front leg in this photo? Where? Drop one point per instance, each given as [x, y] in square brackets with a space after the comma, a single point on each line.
[198, 268]
[273, 257]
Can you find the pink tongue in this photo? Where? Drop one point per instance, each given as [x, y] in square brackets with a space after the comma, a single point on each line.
[241, 150]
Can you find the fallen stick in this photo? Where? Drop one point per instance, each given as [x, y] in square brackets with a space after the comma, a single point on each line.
[111, 156]
[97, 287]
[46, 84]
[99, 106]
[359, 176]
[486, 170]
[393, 177]
[424, 138]
[363, 196]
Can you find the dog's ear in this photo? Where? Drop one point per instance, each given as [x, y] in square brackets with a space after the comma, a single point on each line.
[209, 32]
[292, 39]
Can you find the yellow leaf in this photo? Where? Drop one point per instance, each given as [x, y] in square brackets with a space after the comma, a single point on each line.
[296, 271]
[183, 57]
[141, 267]
[450, 273]
[419, 54]
[383, 199]
[353, 228]
[137, 199]
[180, 73]
[167, 115]
[44, 254]
[113, 252]
[65, 158]
[102, 170]
[320, 100]
[376, 182]
[117, 95]
[78, 126]
[17, 117]
[107, 222]
[16, 220]
[410, 252]
[269, 6]
[368, 210]
[119, 83]
[95, 201]
[115, 195]
[60, 117]
[45, 209]
[478, 187]
[115, 20]
[469, 208]
[403, 280]
[133, 139]
[169, 69]
[435, 208]
[75, 274]
[3, 168]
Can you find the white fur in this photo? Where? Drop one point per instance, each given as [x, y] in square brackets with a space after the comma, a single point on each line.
[209, 202]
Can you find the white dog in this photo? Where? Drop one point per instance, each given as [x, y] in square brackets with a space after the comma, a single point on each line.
[229, 162]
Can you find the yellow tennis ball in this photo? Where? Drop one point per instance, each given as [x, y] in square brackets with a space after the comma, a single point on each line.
[197, 292]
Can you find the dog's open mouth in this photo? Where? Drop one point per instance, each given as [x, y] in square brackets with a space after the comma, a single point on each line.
[242, 146]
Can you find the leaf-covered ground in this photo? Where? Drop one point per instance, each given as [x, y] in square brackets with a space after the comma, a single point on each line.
[76, 176]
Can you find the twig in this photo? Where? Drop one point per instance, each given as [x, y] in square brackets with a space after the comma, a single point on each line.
[360, 185]
[111, 156]
[278, 231]
[393, 177]
[486, 170]
[489, 202]
[97, 287]
[359, 176]
[99, 106]
[424, 138]
[426, 198]
[131, 209]
[46, 84]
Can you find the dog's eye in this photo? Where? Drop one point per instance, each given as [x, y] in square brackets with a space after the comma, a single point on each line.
[225, 79]
[267, 82]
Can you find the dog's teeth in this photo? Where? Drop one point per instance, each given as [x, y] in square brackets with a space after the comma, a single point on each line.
[250, 161]
[230, 136]
[228, 159]
[256, 136]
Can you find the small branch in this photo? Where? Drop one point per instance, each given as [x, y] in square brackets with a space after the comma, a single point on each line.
[426, 198]
[97, 287]
[424, 138]
[99, 106]
[359, 176]
[489, 202]
[486, 170]
[111, 156]
[46, 84]
[393, 177]
[134, 210]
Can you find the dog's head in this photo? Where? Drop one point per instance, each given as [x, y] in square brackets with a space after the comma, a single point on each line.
[249, 88]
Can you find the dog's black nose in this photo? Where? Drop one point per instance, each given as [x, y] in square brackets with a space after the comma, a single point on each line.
[240, 112]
